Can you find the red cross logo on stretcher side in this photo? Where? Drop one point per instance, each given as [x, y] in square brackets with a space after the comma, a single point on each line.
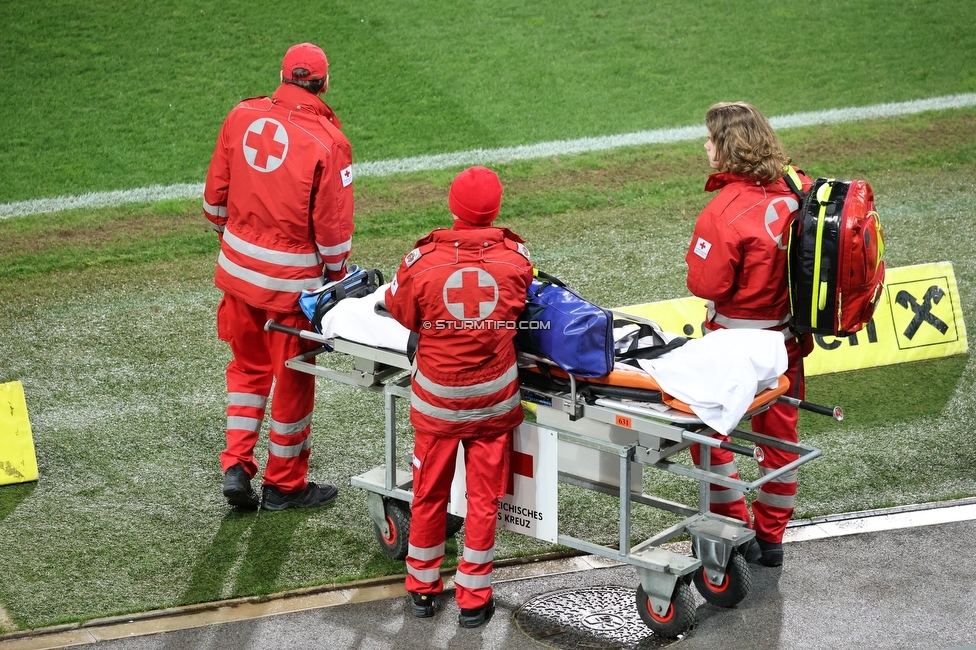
[518, 463]
[265, 144]
[470, 294]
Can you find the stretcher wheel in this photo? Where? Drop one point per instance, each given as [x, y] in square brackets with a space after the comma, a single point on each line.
[734, 586]
[454, 524]
[398, 519]
[679, 618]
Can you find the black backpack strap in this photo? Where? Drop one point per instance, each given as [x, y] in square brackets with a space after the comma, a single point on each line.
[793, 180]
[652, 352]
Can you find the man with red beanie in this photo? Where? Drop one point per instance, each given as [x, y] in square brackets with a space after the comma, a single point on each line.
[461, 290]
[279, 195]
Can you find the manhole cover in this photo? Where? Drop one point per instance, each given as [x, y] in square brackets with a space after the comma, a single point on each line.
[595, 617]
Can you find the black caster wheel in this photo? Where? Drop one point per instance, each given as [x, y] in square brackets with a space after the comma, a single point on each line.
[679, 617]
[734, 586]
[398, 519]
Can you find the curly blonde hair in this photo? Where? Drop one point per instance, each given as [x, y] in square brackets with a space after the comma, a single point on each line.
[744, 142]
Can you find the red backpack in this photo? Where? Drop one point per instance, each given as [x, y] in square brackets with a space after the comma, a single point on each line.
[836, 271]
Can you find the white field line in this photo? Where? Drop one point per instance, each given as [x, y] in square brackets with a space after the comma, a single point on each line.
[499, 155]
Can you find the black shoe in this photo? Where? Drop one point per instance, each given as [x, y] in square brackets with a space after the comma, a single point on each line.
[772, 553]
[751, 551]
[312, 496]
[238, 490]
[477, 616]
[423, 605]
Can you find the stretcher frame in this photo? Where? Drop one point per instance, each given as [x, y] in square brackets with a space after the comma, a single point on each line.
[663, 599]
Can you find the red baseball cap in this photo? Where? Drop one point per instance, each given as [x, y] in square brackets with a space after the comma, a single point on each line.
[307, 56]
[476, 196]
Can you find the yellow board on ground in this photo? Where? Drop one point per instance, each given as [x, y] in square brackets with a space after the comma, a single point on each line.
[919, 317]
[18, 464]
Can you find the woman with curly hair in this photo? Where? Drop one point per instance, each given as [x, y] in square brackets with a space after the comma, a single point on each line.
[737, 263]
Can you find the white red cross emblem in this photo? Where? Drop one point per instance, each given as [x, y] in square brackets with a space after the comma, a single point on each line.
[470, 294]
[778, 218]
[265, 144]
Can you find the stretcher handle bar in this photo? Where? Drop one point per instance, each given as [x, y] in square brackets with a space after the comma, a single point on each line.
[272, 326]
[708, 441]
[836, 412]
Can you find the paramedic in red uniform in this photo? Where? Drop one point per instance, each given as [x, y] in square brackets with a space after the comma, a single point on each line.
[279, 195]
[461, 290]
[737, 263]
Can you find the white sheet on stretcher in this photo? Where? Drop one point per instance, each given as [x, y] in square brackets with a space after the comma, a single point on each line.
[355, 319]
[720, 374]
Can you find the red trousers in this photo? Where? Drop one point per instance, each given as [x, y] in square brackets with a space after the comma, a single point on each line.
[259, 361]
[773, 506]
[486, 469]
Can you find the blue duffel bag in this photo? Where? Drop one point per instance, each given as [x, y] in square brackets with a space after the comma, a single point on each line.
[566, 328]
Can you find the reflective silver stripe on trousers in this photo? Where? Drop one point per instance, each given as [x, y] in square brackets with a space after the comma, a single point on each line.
[269, 255]
[478, 557]
[290, 428]
[724, 495]
[338, 249]
[472, 582]
[289, 451]
[245, 423]
[425, 554]
[726, 469]
[424, 575]
[247, 399]
[215, 210]
[265, 281]
[786, 477]
[466, 415]
[776, 500]
[217, 228]
[474, 390]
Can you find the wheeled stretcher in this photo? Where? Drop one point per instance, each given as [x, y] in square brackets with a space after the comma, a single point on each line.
[607, 431]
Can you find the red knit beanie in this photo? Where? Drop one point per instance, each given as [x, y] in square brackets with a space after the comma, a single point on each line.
[476, 196]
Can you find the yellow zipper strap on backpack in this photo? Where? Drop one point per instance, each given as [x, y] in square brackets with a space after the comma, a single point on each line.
[819, 295]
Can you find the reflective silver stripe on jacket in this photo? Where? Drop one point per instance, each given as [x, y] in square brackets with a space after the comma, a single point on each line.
[289, 451]
[425, 554]
[264, 281]
[290, 428]
[216, 227]
[472, 582]
[338, 249]
[247, 399]
[786, 477]
[776, 500]
[215, 210]
[478, 557]
[424, 575]
[465, 415]
[474, 390]
[747, 323]
[245, 423]
[335, 266]
[269, 255]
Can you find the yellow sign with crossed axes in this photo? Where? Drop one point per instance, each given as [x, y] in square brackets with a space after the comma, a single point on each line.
[919, 317]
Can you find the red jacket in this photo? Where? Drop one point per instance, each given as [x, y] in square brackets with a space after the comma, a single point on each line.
[463, 291]
[279, 193]
[737, 257]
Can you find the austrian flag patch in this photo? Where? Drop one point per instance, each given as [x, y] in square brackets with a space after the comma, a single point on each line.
[702, 247]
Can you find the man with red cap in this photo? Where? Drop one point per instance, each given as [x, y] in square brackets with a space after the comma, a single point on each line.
[461, 290]
[279, 195]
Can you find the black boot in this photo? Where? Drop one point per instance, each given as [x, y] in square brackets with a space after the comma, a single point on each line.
[423, 605]
[238, 490]
[477, 616]
[312, 496]
[772, 553]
